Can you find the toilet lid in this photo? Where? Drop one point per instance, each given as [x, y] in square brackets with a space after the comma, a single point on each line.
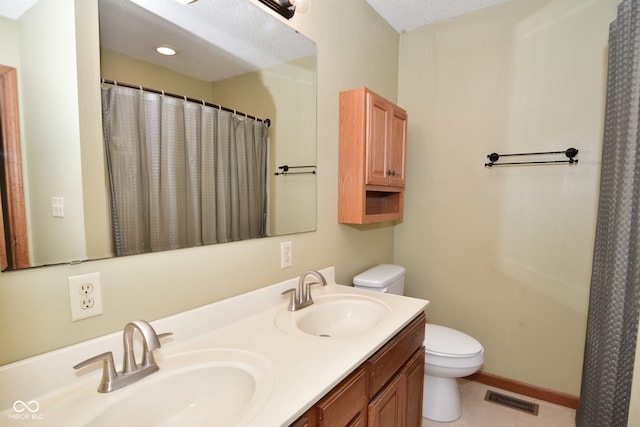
[440, 340]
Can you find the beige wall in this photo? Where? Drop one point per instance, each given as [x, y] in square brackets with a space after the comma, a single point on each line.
[9, 40]
[123, 68]
[97, 219]
[51, 136]
[505, 253]
[354, 47]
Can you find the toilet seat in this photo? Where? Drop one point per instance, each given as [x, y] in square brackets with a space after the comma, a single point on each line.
[443, 341]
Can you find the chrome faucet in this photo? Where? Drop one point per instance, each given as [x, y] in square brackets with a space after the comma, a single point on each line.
[150, 343]
[302, 297]
[131, 371]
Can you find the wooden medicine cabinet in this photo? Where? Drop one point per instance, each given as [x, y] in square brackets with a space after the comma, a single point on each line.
[373, 139]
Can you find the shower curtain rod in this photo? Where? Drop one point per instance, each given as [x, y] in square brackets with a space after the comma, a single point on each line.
[186, 98]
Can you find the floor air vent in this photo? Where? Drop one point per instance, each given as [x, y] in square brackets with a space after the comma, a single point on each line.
[512, 402]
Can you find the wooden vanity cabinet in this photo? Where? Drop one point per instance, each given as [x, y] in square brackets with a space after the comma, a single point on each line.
[399, 404]
[414, 382]
[306, 420]
[346, 404]
[396, 374]
[387, 409]
[385, 391]
[373, 136]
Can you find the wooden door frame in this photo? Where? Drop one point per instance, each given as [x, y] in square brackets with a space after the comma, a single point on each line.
[15, 231]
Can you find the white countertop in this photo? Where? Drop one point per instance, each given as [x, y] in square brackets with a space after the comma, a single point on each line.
[303, 367]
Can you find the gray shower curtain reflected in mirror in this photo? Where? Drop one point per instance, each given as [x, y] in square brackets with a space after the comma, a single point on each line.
[614, 301]
[181, 174]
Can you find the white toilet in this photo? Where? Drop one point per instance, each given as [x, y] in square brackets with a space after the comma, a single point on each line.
[449, 354]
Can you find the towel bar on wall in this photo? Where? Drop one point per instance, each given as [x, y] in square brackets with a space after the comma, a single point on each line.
[284, 170]
[570, 153]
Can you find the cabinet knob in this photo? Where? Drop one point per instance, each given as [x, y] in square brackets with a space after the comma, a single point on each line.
[391, 172]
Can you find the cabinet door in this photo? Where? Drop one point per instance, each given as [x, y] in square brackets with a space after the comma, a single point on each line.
[359, 421]
[307, 420]
[346, 405]
[377, 110]
[387, 409]
[399, 404]
[396, 147]
[414, 381]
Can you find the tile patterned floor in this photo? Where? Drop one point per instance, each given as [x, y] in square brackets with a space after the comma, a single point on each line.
[476, 412]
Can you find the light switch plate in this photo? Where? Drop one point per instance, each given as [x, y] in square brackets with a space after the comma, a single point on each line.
[57, 207]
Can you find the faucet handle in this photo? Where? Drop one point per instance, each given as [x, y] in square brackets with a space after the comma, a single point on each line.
[164, 335]
[106, 357]
[293, 303]
[108, 370]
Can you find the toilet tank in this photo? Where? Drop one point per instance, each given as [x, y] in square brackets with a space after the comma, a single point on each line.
[387, 278]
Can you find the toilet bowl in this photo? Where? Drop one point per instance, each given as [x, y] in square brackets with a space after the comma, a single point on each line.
[449, 353]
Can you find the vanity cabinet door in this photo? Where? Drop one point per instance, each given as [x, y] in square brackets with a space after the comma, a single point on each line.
[387, 362]
[359, 421]
[307, 420]
[388, 408]
[413, 374]
[345, 405]
[399, 404]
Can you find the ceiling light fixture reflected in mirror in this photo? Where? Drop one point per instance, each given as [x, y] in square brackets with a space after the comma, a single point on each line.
[286, 8]
[301, 5]
[166, 50]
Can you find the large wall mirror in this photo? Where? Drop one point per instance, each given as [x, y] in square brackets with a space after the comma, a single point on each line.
[63, 53]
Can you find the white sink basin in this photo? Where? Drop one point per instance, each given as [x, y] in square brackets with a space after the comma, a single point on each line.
[221, 387]
[339, 315]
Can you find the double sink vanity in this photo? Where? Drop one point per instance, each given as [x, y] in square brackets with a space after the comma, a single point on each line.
[250, 360]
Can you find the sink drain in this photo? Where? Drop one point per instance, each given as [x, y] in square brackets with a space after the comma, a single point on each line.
[324, 335]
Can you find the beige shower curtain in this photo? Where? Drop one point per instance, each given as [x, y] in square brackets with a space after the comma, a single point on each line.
[181, 173]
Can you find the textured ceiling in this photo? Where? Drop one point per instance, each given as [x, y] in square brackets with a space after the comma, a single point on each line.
[215, 39]
[403, 15]
[134, 27]
[15, 8]
[407, 15]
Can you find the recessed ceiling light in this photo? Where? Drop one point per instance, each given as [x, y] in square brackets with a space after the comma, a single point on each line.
[166, 50]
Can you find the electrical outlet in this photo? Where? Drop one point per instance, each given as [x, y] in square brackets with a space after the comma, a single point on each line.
[85, 296]
[87, 303]
[286, 254]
